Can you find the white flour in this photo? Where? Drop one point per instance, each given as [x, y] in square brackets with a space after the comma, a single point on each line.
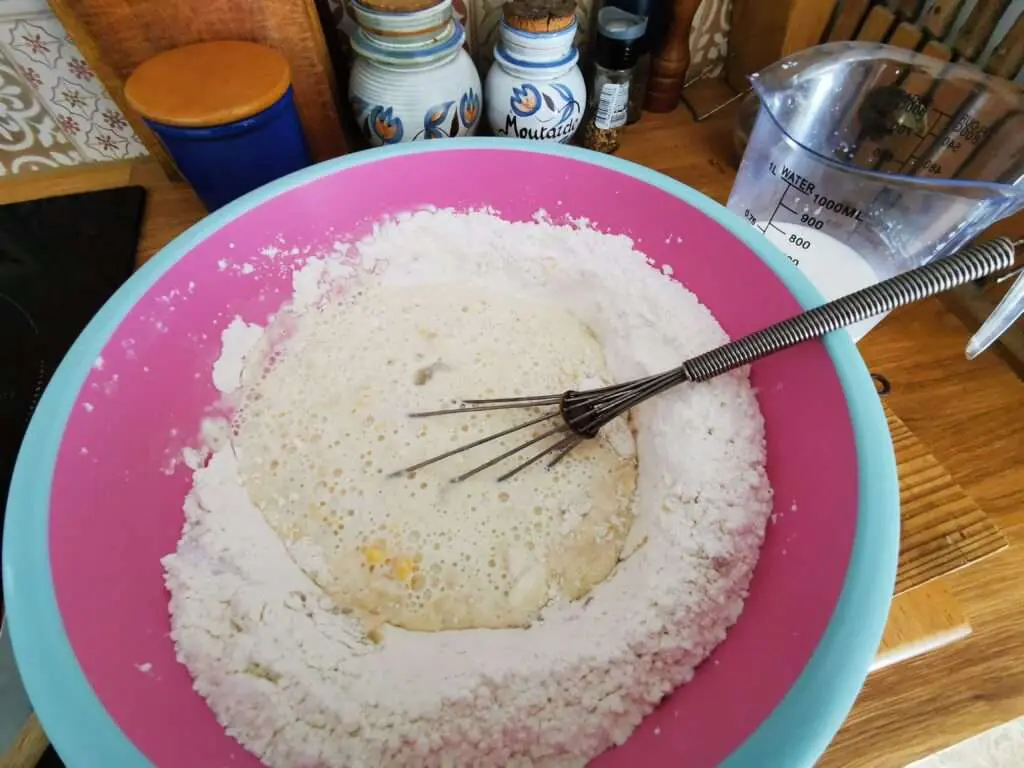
[297, 681]
[227, 371]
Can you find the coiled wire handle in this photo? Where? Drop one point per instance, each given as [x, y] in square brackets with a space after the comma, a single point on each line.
[962, 267]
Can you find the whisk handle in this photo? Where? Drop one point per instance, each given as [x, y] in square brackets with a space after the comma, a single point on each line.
[941, 275]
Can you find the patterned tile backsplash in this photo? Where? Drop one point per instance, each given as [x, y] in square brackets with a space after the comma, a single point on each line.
[54, 111]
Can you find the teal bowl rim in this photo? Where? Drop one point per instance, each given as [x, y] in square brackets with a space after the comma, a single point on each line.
[796, 732]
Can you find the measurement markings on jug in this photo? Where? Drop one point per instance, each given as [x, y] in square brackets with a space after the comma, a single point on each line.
[827, 211]
[970, 129]
[946, 135]
[839, 207]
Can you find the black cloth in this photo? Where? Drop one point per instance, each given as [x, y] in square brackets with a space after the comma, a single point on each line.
[61, 258]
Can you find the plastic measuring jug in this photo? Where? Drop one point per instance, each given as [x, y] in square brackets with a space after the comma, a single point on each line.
[867, 160]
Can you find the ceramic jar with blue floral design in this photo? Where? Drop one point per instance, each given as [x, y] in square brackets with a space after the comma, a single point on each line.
[534, 88]
[409, 86]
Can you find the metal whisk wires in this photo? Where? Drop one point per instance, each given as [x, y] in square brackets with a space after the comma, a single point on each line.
[577, 416]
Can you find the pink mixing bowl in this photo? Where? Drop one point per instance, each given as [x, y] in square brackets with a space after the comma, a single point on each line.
[97, 494]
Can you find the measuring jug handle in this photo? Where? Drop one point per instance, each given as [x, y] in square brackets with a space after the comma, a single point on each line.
[1006, 313]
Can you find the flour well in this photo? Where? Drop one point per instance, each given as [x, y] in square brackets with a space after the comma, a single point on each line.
[599, 604]
[317, 451]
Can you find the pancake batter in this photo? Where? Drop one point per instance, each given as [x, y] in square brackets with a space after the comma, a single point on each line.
[322, 429]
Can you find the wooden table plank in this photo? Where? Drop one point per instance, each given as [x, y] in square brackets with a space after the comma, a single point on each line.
[28, 747]
[52, 182]
[967, 412]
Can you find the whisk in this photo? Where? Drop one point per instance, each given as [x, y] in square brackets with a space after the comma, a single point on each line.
[577, 416]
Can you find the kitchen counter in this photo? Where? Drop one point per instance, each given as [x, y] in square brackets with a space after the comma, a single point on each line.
[968, 414]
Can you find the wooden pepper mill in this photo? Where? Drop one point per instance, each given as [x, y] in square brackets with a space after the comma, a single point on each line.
[668, 68]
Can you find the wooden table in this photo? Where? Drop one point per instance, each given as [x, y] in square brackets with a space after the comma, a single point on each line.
[964, 414]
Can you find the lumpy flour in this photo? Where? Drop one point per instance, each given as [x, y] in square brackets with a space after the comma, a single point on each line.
[332, 615]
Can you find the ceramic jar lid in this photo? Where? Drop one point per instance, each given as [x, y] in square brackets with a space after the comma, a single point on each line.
[537, 50]
[409, 52]
[420, 24]
[537, 71]
[399, 6]
[208, 84]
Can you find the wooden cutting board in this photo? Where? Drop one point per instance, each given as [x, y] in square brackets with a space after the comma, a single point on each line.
[921, 620]
[943, 529]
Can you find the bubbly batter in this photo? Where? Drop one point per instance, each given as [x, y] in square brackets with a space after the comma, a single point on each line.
[324, 426]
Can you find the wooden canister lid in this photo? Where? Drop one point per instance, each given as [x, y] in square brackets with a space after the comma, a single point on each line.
[208, 84]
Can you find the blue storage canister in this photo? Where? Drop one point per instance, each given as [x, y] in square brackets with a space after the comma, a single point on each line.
[226, 114]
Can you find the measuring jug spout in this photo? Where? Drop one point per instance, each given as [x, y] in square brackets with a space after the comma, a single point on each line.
[806, 90]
